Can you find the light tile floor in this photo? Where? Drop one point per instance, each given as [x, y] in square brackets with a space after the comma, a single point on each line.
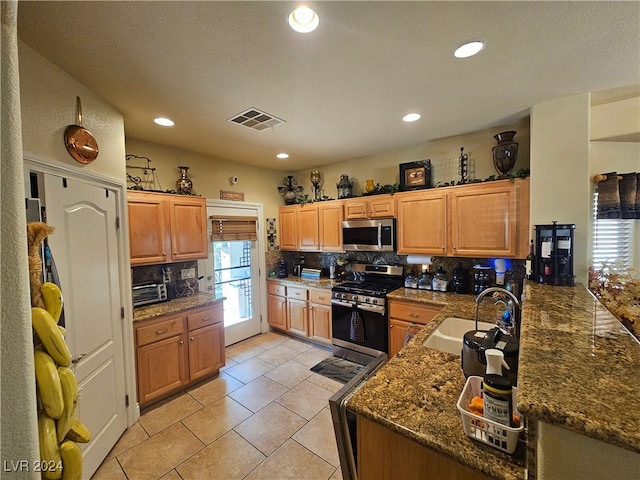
[265, 416]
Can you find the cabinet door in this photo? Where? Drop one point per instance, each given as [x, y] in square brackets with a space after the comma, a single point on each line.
[188, 220]
[422, 223]
[330, 217]
[278, 312]
[383, 206]
[398, 331]
[308, 229]
[298, 317]
[206, 350]
[483, 221]
[148, 232]
[162, 368]
[320, 323]
[355, 209]
[288, 227]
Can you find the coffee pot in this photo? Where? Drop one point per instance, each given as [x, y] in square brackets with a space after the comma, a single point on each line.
[460, 281]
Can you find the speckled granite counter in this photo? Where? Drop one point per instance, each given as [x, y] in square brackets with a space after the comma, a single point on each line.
[415, 394]
[174, 306]
[579, 368]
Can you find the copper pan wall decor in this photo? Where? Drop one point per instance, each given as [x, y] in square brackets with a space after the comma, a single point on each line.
[80, 143]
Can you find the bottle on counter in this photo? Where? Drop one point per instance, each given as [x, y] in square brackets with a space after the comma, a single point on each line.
[497, 390]
[440, 282]
[425, 282]
[529, 263]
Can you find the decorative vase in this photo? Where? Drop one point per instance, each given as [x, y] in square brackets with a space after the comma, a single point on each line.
[369, 187]
[184, 185]
[505, 153]
[289, 197]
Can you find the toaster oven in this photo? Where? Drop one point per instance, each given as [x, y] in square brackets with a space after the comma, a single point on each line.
[148, 294]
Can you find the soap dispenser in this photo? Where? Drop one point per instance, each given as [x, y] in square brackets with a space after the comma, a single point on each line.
[497, 390]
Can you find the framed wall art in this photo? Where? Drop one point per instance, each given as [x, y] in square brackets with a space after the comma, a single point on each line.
[415, 175]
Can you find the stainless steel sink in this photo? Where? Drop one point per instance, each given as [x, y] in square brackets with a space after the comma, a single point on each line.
[448, 336]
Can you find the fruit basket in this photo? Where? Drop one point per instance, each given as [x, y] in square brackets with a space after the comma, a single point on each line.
[497, 435]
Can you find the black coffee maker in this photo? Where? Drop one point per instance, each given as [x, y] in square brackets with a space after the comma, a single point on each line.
[460, 281]
[553, 263]
[282, 269]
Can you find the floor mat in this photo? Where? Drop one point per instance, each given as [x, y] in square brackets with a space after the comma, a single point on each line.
[337, 368]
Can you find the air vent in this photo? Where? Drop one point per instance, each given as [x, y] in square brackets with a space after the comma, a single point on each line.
[256, 119]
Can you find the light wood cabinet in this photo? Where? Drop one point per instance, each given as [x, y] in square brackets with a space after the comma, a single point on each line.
[383, 453]
[298, 311]
[277, 305]
[407, 318]
[320, 315]
[377, 206]
[479, 220]
[166, 228]
[315, 227]
[174, 351]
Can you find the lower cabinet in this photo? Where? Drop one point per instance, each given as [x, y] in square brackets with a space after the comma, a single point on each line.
[383, 453]
[176, 350]
[407, 318]
[301, 311]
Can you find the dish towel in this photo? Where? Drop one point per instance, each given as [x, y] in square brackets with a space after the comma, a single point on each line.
[356, 327]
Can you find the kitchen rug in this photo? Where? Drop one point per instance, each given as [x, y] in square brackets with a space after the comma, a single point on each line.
[337, 368]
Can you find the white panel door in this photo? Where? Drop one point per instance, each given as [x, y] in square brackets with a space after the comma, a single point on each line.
[84, 246]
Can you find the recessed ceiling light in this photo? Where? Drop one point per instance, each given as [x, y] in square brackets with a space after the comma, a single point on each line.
[282, 155]
[165, 122]
[411, 117]
[469, 49]
[303, 20]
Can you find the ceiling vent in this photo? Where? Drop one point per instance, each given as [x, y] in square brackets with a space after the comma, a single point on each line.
[256, 120]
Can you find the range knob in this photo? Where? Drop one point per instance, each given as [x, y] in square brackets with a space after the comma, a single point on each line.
[354, 298]
[366, 300]
[344, 296]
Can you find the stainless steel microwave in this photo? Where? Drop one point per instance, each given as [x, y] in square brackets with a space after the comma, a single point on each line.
[369, 235]
[148, 294]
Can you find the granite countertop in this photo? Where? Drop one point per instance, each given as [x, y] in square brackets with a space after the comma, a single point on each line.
[416, 392]
[579, 368]
[174, 306]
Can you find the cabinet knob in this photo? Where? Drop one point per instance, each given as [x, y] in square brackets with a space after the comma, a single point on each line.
[78, 358]
[160, 332]
[175, 253]
[164, 254]
[181, 342]
[455, 248]
[191, 338]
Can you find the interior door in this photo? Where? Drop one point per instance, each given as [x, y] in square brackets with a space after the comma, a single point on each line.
[84, 246]
[232, 270]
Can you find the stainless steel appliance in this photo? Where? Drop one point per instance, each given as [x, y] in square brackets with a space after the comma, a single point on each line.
[369, 235]
[359, 316]
[149, 294]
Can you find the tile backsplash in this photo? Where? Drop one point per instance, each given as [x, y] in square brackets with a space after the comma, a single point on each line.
[169, 273]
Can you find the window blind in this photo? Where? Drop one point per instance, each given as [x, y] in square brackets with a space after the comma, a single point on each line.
[233, 228]
[612, 240]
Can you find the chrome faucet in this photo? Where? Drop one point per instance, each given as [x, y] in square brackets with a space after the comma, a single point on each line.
[513, 304]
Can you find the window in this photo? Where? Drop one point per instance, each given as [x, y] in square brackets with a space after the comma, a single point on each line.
[612, 240]
[232, 273]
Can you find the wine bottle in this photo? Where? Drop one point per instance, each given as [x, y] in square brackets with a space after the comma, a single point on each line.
[529, 262]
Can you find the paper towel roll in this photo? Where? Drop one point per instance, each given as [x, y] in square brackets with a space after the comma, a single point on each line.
[419, 259]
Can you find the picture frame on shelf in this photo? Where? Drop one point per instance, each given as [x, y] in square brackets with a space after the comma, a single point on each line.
[415, 175]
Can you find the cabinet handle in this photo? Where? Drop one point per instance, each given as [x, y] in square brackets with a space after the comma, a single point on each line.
[160, 332]
[320, 298]
[414, 315]
[206, 319]
[443, 248]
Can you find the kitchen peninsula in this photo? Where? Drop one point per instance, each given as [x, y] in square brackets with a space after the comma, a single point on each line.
[578, 370]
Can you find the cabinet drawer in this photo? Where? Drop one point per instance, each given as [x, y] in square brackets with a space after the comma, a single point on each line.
[159, 330]
[277, 289]
[322, 297]
[413, 312]
[206, 316]
[297, 292]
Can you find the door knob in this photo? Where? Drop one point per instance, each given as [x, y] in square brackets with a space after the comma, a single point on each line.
[78, 358]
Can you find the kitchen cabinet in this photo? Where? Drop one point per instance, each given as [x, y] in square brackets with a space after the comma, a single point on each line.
[297, 311]
[407, 317]
[315, 227]
[166, 228]
[376, 206]
[320, 315]
[383, 453]
[174, 351]
[479, 220]
[277, 305]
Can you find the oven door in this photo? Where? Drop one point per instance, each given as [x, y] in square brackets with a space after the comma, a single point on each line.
[362, 328]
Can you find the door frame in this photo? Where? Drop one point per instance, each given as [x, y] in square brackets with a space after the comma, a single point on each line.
[33, 163]
[261, 284]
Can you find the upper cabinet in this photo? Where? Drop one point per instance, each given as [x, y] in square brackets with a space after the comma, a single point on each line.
[480, 220]
[377, 206]
[315, 227]
[166, 228]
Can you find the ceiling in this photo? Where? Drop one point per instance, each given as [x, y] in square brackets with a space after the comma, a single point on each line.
[342, 89]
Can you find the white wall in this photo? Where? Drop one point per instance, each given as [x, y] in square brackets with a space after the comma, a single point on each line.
[560, 183]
